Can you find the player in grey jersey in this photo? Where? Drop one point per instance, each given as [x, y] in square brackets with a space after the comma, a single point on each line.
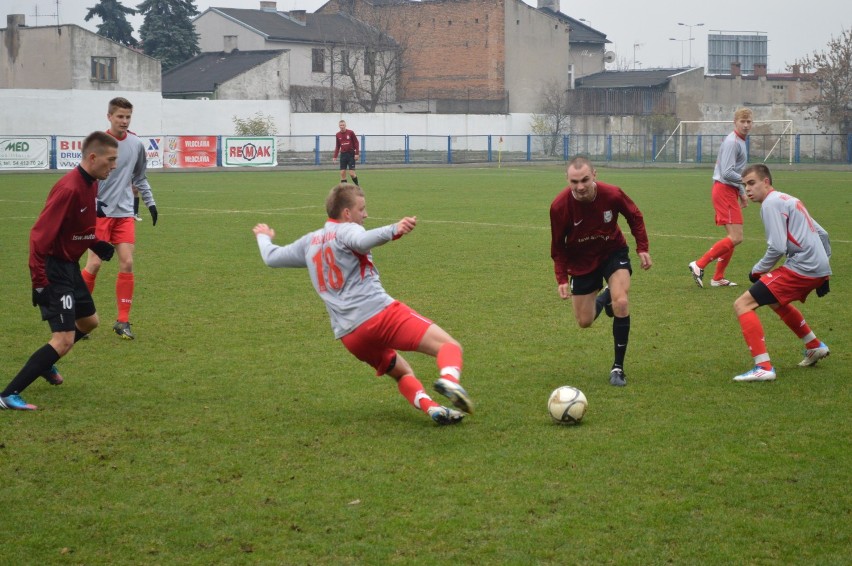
[371, 324]
[791, 232]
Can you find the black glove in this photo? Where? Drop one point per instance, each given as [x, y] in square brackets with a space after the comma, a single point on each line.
[101, 205]
[103, 250]
[754, 277]
[823, 289]
[153, 210]
[41, 296]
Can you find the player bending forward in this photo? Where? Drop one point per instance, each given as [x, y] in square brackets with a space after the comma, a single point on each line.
[370, 323]
[790, 232]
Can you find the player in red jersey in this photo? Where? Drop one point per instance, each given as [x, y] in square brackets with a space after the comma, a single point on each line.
[65, 229]
[347, 146]
[588, 248]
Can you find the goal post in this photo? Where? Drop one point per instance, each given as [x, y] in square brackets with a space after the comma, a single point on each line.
[691, 140]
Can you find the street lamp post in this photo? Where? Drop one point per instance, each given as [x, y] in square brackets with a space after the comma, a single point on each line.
[690, 26]
[682, 41]
[635, 47]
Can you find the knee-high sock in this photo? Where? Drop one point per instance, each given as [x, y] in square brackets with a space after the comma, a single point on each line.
[89, 280]
[620, 337]
[722, 264]
[39, 363]
[449, 361]
[411, 388]
[754, 338]
[718, 250]
[124, 295]
[795, 321]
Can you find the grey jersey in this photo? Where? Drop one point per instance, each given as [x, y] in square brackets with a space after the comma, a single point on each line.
[731, 162]
[791, 231]
[341, 268]
[131, 168]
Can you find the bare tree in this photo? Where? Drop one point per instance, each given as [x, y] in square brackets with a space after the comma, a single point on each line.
[832, 70]
[553, 119]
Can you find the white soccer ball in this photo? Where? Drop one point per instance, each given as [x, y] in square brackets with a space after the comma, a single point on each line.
[567, 405]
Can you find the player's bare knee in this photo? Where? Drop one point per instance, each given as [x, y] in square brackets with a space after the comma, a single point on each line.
[621, 307]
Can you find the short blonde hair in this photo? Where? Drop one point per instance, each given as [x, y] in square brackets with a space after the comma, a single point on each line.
[341, 197]
[743, 113]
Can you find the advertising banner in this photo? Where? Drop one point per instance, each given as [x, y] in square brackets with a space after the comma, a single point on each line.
[190, 151]
[24, 152]
[69, 151]
[153, 151]
[249, 152]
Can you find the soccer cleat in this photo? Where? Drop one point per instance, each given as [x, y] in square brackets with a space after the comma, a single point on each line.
[813, 355]
[123, 330]
[455, 393]
[52, 376]
[445, 415]
[697, 273]
[137, 218]
[722, 283]
[617, 377]
[15, 402]
[603, 302]
[757, 373]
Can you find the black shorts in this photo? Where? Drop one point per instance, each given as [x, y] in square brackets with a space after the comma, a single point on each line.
[347, 161]
[593, 282]
[69, 297]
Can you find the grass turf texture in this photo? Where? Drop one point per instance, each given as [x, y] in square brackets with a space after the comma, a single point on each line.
[235, 429]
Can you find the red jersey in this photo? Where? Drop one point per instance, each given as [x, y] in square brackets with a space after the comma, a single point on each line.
[584, 234]
[347, 142]
[65, 229]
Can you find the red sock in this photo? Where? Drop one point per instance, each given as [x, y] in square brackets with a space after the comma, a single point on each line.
[722, 264]
[89, 279]
[719, 249]
[411, 388]
[755, 339]
[124, 295]
[795, 321]
[450, 361]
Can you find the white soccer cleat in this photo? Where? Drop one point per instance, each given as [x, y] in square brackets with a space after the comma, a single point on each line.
[757, 373]
[813, 355]
[722, 283]
[445, 415]
[455, 393]
[697, 273]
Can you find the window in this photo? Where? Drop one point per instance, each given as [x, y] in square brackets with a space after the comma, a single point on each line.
[318, 59]
[104, 69]
[317, 105]
[369, 62]
[344, 60]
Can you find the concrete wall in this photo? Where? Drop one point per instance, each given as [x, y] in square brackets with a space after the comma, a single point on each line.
[587, 59]
[212, 29]
[59, 57]
[269, 81]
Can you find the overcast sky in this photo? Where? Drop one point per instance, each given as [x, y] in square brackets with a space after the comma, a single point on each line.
[794, 28]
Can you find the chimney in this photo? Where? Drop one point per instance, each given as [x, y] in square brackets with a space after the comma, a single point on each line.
[299, 16]
[796, 70]
[552, 5]
[760, 69]
[736, 68]
[268, 6]
[230, 43]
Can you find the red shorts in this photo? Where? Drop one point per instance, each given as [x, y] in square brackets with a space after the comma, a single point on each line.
[116, 230]
[398, 327]
[787, 286]
[726, 203]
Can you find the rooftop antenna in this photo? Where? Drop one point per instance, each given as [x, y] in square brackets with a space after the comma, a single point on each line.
[56, 15]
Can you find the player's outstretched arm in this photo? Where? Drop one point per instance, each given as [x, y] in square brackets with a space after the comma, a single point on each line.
[405, 226]
[263, 229]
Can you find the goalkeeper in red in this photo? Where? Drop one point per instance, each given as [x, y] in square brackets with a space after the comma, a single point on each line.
[793, 234]
[370, 323]
[588, 250]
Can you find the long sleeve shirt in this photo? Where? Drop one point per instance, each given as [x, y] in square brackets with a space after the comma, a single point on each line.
[585, 234]
[791, 232]
[341, 268]
[731, 162]
[131, 170]
[346, 142]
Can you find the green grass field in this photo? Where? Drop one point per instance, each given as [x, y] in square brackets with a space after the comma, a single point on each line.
[235, 430]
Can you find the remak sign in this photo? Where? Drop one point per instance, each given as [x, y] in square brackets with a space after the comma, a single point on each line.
[249, 152]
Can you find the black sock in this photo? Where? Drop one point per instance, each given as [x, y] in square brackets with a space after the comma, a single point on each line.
[355, 180]
[136, 206]
[39, 363]
[620, 335]
[79, 335]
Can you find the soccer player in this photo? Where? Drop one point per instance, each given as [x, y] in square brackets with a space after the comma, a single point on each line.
[116, 220]
[588, 247]
[369, 322]
[347, 146]
[728, 199]
[63, 231]
[791, 233]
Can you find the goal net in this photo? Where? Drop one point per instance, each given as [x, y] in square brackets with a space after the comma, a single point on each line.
[697, 141]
